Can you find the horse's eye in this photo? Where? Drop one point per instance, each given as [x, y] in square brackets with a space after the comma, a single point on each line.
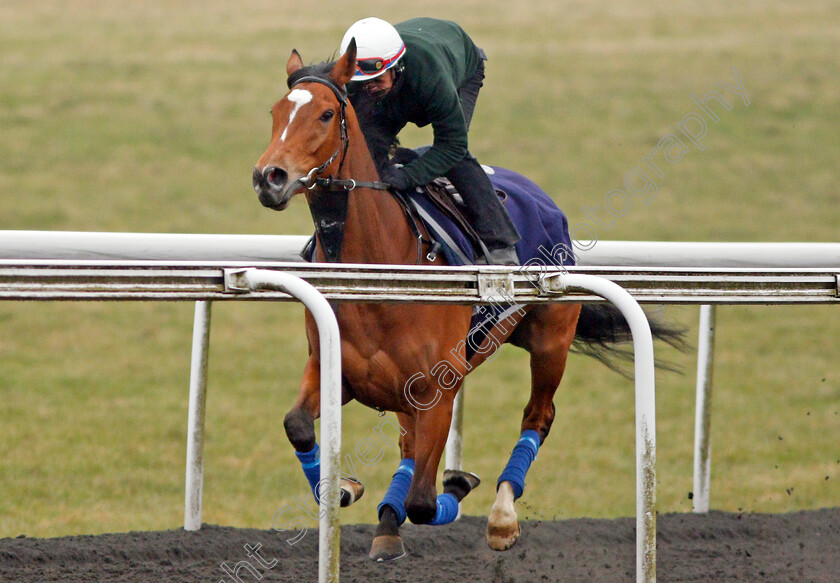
[327, 115]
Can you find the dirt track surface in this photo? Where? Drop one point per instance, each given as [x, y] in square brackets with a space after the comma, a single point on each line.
[800, 547]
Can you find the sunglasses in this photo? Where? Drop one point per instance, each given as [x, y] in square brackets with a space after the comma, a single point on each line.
[375, 65]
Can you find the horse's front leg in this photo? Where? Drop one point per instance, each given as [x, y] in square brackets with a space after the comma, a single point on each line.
[431, 430]
[387, 543]
[300, 429]
[300, 420]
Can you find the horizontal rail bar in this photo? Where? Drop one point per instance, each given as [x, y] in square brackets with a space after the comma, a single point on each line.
[149, 246]
[191, 281]
[22, 244]
[709, 254]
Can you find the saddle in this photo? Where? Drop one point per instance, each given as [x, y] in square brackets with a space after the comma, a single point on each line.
[439, 206]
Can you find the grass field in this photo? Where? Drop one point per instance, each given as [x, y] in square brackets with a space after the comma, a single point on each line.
[121, 116]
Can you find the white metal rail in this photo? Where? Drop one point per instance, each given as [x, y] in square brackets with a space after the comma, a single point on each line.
[156, 280]
[48, 266]
[330, 350]
[91, 280]
[198, 247]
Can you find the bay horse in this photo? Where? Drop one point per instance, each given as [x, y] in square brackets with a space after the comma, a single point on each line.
[317, 147]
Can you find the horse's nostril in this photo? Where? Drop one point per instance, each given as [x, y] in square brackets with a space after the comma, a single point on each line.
[257, 180]
[276, 177]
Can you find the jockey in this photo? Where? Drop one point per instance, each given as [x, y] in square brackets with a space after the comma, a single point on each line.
[428, 71]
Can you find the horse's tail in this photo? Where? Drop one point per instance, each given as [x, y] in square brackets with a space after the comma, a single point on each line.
[601, 327]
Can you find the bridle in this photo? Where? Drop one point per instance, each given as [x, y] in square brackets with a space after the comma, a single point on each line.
[313, 179]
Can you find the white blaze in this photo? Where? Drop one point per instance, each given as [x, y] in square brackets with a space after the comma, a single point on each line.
[299, 97]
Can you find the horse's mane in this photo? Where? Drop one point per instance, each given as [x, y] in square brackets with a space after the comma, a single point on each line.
[381, 140]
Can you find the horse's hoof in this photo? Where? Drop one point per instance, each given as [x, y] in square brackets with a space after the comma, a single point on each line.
[501, 537]
[351, 490]
[460, 482]
[502, 524]
[387, 547]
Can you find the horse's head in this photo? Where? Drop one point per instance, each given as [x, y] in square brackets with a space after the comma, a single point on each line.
[308, 135]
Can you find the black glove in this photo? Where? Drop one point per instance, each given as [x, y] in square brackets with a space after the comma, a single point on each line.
[396, 177]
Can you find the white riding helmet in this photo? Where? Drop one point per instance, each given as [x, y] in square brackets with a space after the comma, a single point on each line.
[378, 47]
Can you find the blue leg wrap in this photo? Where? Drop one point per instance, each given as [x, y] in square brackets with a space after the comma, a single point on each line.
[447, 509]
[520, 460]
[398, 490]
[311, 464]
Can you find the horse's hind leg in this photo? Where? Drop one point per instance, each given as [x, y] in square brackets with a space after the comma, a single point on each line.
[547, 333]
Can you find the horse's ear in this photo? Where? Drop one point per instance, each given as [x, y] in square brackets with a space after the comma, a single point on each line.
[294, 63]
[345, 67]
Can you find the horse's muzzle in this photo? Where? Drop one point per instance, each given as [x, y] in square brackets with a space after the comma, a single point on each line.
[272, 187]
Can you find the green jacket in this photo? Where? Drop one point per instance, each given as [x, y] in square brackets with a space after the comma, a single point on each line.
[439, 58]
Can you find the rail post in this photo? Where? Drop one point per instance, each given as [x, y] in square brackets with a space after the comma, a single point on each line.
[244, 280]
[703, 410]
[565, 282]
[195, 416]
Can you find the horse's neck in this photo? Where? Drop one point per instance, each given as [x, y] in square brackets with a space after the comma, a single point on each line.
[376, 230]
